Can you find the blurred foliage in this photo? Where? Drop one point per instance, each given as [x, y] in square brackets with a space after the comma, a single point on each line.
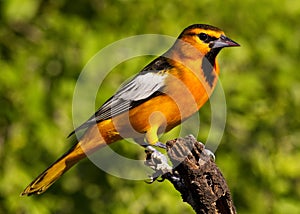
[45, 44]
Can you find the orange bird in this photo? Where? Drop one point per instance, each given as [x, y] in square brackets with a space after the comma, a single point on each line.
[166, 92]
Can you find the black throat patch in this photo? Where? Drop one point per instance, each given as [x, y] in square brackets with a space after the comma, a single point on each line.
[208, 64]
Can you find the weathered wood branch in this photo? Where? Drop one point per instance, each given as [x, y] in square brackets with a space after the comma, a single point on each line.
[196, 176]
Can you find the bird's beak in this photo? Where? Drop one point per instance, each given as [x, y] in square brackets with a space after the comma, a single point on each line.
[224, 41]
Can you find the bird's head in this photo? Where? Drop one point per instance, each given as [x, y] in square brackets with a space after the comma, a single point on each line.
[206, 38]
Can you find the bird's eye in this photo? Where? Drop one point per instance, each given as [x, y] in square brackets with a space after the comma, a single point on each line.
[203, 36]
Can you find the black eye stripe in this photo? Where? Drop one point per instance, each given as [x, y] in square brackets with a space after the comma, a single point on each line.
[203, 36]
[206, 38]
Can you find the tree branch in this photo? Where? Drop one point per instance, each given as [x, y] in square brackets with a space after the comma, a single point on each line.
[198, 179]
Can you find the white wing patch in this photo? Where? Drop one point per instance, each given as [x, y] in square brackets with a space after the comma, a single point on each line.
[141, 87]
[147, 83]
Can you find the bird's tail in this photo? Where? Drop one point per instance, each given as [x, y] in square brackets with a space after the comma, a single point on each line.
[55, 171]
[88, 144]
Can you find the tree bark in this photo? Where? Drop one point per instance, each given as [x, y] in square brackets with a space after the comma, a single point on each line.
[196, 176]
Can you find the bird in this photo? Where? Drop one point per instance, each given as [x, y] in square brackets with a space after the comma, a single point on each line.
[166, 92]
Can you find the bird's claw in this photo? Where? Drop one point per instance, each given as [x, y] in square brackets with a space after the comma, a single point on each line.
[153, 178]
[210, 154]
[162, 170]
[158, 162]
[160, 145]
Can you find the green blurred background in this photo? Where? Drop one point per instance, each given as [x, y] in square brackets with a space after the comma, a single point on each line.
[45, 44]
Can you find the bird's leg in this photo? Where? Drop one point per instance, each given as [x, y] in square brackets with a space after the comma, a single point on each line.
[152, 138]
[158, 162]
[144, 144]
[160, 145]
[155, 159]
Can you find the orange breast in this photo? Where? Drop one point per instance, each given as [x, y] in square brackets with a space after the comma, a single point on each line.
[184, 95]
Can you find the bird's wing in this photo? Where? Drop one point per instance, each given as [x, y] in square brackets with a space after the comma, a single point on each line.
[147, 84]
